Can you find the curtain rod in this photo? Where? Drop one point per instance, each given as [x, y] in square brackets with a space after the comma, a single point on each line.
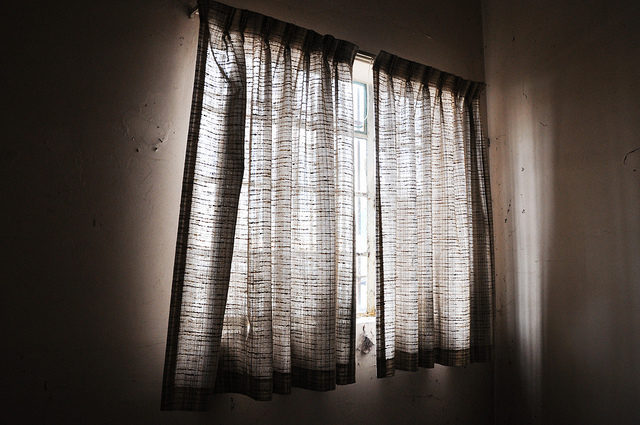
[369, 57]
[360, 54]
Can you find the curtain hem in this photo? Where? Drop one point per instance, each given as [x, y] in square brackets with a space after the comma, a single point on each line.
[261, 389]
[429, 358]
[184, 398]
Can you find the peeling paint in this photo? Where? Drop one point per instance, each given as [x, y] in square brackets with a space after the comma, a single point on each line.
[366, 341]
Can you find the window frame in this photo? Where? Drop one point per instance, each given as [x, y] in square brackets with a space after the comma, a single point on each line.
[363, 76]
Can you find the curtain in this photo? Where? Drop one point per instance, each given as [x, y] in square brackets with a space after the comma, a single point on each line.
[263, 286]
[434, 254]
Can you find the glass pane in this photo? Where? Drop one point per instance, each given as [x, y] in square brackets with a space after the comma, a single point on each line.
[361, 170]
[361, 265]
[360, 107]
[356, 165]
[361, 224]
[361, 295]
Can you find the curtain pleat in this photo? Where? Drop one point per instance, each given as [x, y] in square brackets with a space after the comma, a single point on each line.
[434, 254]
[263, 288]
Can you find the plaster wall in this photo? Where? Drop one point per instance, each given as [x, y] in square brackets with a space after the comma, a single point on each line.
[91, 162]
[563, 113]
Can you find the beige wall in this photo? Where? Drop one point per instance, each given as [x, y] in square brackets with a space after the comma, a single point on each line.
[91, 163]
[564, 108]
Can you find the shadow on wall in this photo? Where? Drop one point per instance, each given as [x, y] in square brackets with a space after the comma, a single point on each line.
[567, 227]
[521, 172]
[592, 307]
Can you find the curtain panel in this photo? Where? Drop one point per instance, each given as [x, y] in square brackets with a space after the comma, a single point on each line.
[263, 286]
[434, 254]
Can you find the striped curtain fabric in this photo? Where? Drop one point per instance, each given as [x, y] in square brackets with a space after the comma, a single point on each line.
[263, 287]
[434, 253]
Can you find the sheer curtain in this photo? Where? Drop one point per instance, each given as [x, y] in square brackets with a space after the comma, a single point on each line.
[434, 253]
[263, 287]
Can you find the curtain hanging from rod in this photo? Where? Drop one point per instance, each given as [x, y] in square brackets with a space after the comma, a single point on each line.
[434, 252]
[263, 288]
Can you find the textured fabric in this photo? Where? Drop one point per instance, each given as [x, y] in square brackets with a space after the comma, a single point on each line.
[434, 254]
[263, 287]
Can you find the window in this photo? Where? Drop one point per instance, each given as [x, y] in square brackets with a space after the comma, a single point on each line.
[263, 287]
[364, 185]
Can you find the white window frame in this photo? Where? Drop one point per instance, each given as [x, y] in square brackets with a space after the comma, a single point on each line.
[363, 74]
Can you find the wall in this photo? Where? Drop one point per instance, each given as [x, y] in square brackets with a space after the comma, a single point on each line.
[445, 35]
[91, 162]
[563, 113]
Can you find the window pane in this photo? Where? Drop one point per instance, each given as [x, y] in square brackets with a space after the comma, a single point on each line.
[361, 265]
[356, 165]
[361, 224]
[362, 165]
[360, 107]
[361, 295]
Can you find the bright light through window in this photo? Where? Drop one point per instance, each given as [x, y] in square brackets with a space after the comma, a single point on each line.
[360, 107]
[363, 154]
